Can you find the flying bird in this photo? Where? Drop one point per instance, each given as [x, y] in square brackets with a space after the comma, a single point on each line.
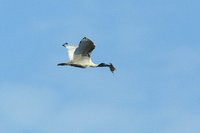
[80, 56]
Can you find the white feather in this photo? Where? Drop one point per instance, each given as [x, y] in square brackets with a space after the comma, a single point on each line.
[70, 51]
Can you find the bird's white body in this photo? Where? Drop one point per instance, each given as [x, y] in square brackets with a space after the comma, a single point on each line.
[80, 56]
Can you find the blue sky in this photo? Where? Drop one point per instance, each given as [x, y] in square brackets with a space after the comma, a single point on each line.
[153, 44]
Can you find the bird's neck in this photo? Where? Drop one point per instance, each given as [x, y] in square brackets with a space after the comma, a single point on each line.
[103, 65]
[112, 68]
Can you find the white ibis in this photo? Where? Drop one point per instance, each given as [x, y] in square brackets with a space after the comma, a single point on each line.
[80, 56]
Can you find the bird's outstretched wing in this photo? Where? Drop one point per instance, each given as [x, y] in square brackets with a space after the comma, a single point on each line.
[85, 47]
[70, 50]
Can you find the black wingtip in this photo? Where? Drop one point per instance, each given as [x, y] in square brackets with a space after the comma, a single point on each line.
[65, 44]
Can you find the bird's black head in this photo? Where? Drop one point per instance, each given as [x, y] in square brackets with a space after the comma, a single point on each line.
[112, 68]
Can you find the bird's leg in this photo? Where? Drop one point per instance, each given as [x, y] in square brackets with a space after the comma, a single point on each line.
[63, 64]
[70, 64]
